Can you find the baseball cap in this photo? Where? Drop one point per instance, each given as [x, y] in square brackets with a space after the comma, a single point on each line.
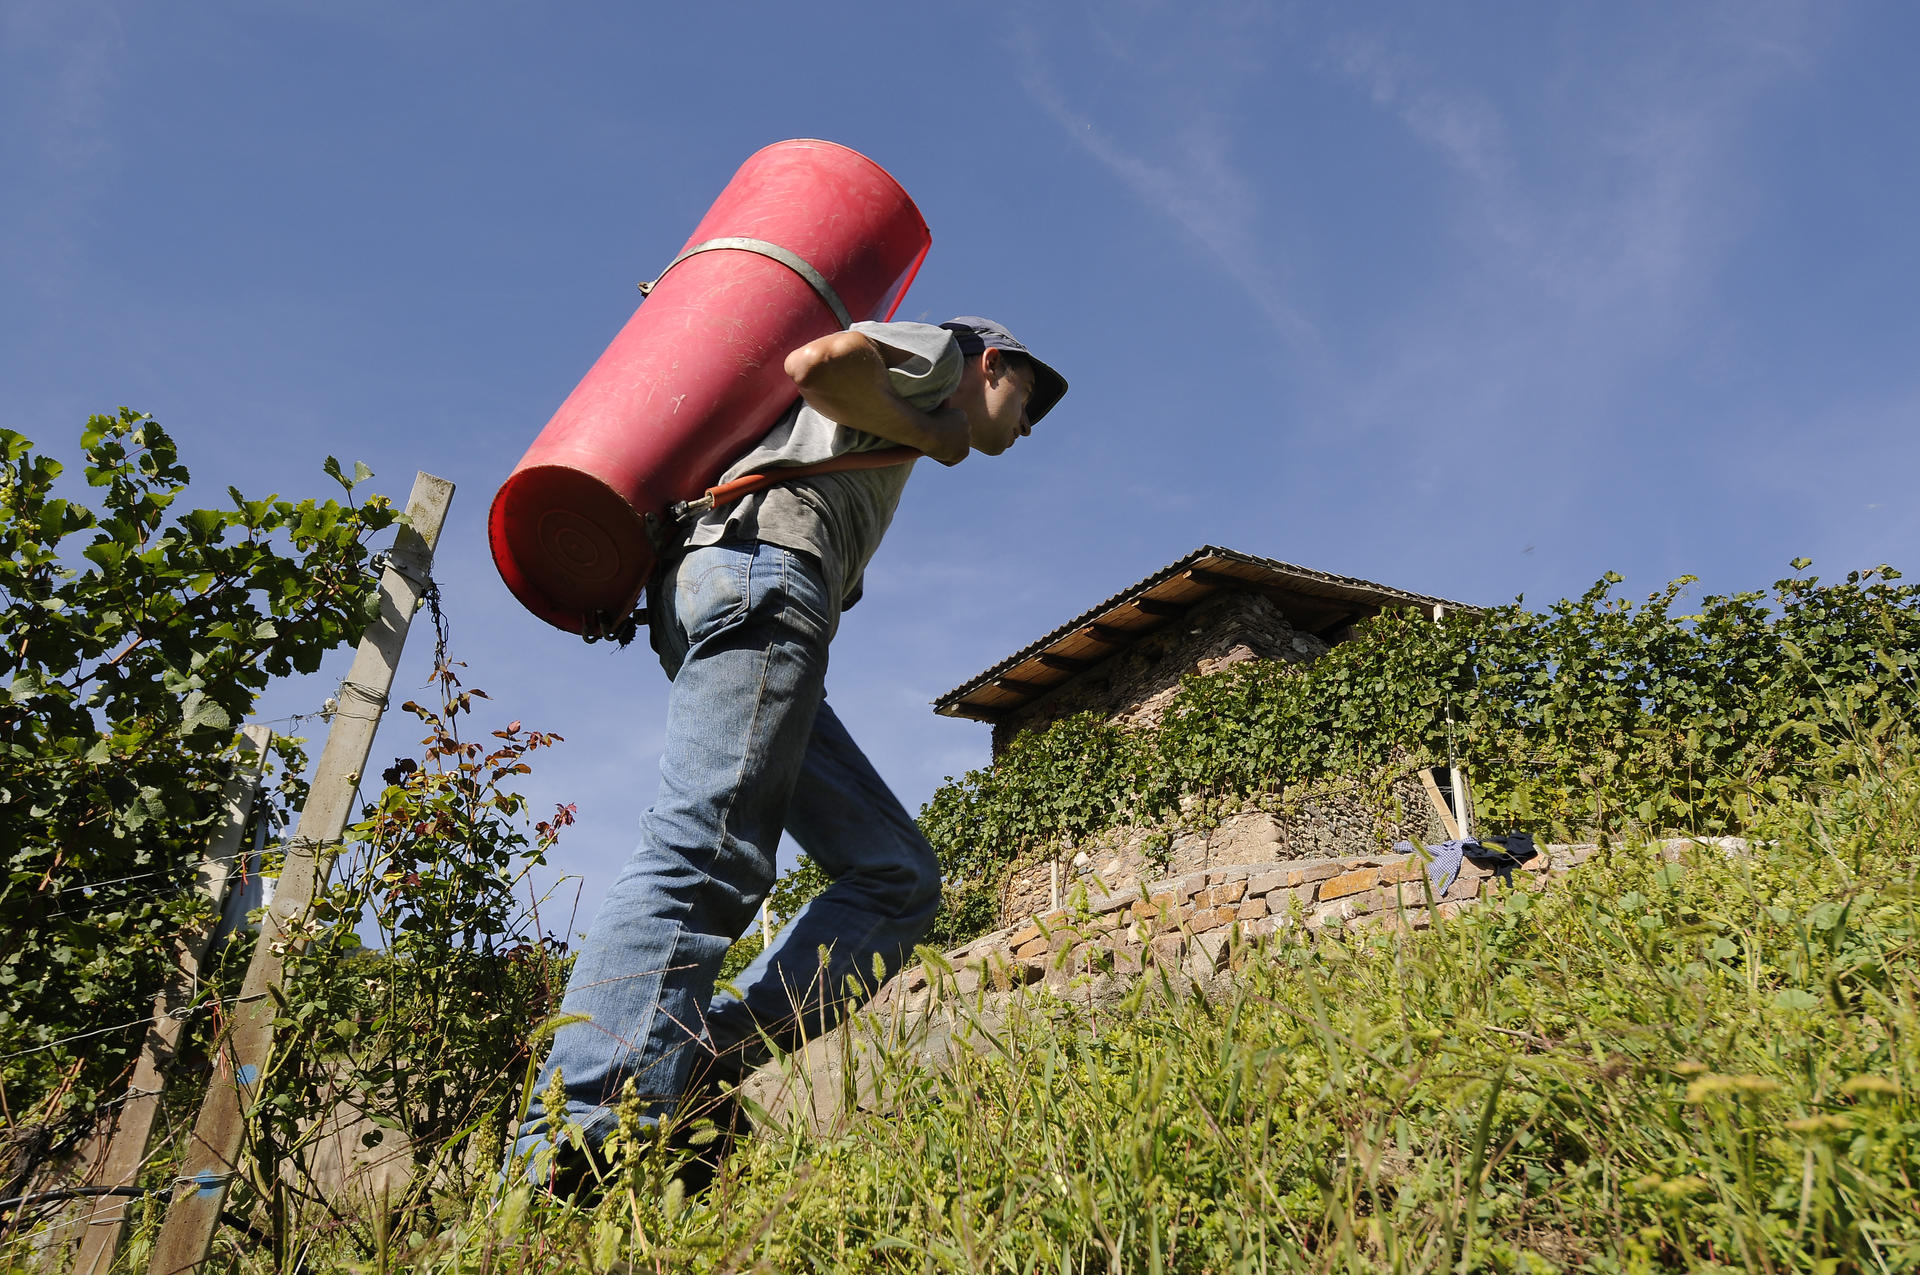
[976, 334]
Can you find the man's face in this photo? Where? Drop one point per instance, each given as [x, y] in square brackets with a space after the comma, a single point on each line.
[999, 413]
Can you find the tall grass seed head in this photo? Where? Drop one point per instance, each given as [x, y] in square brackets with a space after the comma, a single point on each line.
[1870, 1086]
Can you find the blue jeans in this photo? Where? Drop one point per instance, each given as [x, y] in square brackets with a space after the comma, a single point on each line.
[751, 748]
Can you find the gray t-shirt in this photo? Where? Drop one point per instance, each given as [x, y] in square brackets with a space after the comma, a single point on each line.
[839, 518]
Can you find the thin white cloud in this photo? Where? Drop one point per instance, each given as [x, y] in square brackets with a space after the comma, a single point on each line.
[1462, 126]
[1587, 255]
[1189, 174]
[62, 63]
[65, 57]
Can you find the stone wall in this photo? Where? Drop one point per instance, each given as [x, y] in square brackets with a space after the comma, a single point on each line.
[1187, 921]
[1134, 687]
[1328, 819]
[1194, 922]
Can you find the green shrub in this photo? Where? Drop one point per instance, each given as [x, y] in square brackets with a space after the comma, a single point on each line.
[432, 1033]
[135, 641]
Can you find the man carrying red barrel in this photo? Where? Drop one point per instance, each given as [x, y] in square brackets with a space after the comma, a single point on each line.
[742, 619]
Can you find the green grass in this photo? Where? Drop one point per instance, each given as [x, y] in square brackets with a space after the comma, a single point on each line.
[1694, 1066]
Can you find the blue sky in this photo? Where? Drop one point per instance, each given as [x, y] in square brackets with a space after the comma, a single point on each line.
[1476, 300]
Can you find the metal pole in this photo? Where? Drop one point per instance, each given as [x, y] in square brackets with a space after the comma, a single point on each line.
[212, 1157]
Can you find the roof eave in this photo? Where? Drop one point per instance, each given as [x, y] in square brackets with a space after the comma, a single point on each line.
[1199, 575]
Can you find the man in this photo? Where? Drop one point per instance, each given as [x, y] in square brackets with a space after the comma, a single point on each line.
[742, 621]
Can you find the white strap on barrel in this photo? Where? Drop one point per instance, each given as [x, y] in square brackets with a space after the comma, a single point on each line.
[791, 260]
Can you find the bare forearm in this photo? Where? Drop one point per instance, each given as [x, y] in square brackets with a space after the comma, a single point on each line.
[844, 378]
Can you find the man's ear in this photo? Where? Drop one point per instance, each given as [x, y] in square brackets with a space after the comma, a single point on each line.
[993, 364]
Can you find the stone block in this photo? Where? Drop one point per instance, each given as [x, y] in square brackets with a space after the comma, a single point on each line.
[1264, 927]
[1393, 922]
[1251, 836]
[1024, 935]
[1007, 975]
[1207, 954]
[1167, 949]
[1410, 894]
[1307, 874]
[1265, 880]
[1464, 887]
[1211, 919]
[1402, 897]
[1220, 895]
[914, 979]
[1330, 915]
[1154, 905]
[1349, 883]
[1253, 909]
[1412, 870]
[1378, 899]
[1033, 948]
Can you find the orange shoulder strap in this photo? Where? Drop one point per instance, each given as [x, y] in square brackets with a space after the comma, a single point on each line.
[747, 484]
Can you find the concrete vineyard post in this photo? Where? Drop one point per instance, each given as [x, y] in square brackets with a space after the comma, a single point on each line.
[213, 1154]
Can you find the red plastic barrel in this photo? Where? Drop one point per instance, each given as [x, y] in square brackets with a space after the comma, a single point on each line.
[697, 375]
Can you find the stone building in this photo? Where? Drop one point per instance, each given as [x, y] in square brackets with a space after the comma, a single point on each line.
[1125, 657]
[1124, 660]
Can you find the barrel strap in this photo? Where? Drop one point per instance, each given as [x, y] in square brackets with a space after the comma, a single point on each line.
[791, 260]
[747, 484]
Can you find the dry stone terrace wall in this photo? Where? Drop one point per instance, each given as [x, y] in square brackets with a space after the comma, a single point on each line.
[1328, 820]
[1136, 685]
[1192, 922]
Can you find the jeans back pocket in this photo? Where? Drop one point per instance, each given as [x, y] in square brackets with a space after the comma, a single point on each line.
[710, 591]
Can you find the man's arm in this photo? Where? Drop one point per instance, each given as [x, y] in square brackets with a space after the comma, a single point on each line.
[844, 378]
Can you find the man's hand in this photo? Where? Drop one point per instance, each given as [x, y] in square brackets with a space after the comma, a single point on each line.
[844, 378]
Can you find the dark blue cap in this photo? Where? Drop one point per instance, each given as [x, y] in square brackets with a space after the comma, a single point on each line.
[976, 334]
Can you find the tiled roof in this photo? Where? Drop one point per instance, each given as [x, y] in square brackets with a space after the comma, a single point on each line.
[1313, 601]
